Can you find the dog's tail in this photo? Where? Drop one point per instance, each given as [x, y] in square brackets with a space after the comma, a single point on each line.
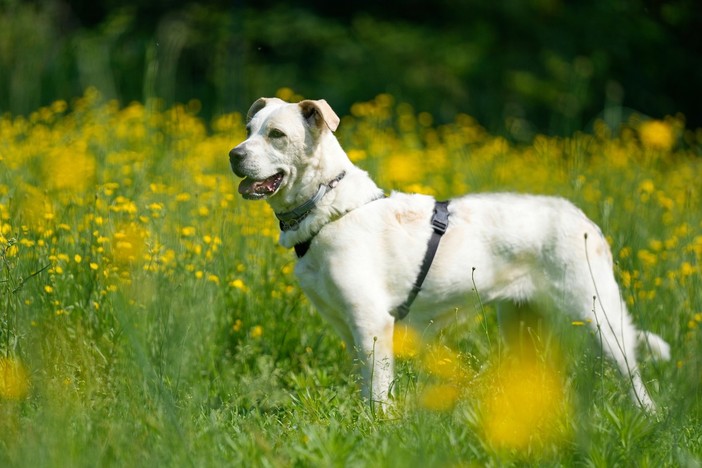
[659, 349]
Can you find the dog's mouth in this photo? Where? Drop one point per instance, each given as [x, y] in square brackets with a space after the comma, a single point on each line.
[258, 189]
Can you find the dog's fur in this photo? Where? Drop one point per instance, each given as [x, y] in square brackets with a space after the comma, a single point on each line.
[366, 250]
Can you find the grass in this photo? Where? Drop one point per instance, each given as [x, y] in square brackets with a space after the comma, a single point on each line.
[148, 317]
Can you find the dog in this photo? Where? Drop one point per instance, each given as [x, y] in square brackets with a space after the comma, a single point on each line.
[363, 255]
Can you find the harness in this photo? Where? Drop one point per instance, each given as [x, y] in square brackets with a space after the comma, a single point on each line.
[290, 221]
[439, 221]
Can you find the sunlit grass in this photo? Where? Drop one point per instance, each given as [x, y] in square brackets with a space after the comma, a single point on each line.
[148, 316]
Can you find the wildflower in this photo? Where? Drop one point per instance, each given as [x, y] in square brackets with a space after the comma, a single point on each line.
[647, 187]
[523, 405]
[71, 169]
[356, 155]
[11, 251]
[439, 397]
[238, 284]
[406, 341]
[187, 231]
[656, 134]
[687, 269]
[48, 289]
[237, 325]
[213, 279]
[14, 379]
[129, 243]
[257, 331]
[647, 258]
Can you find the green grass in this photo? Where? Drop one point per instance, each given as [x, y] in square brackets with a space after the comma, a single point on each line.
[148, 318]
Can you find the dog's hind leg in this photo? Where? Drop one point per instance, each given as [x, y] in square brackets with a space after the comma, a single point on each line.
[618, 335]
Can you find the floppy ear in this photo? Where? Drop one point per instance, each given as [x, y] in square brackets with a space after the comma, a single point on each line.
[318, 112]
[255, 107]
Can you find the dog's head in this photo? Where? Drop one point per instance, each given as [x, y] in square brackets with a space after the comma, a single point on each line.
[281, 141]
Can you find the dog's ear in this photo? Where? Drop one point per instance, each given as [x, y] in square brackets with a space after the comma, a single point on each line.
[255, 107]
[319, 112]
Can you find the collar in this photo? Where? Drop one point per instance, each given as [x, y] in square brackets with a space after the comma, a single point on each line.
[290, 220]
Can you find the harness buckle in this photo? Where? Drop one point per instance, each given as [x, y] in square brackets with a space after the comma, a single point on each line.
[439, 220]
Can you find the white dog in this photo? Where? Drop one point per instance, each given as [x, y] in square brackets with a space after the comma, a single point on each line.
[362, 255]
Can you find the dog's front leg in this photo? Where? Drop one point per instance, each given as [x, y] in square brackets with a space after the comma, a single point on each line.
[373, 338]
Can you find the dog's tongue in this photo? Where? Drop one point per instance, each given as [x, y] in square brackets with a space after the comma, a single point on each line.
[258, 187]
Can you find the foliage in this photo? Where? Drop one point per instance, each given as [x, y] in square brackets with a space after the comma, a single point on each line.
[148, 317]
[520, 67]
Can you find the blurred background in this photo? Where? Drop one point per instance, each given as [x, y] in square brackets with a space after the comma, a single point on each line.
[520, 67]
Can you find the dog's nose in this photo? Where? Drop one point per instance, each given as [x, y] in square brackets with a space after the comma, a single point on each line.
[236, 154]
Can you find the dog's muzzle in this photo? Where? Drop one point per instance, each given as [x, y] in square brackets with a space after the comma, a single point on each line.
[253, 188]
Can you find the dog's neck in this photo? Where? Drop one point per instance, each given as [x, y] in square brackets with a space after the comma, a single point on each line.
[344, 183]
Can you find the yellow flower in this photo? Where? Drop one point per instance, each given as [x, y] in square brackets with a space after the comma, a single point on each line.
[213, 279]
[11, 251]
[656, 134]
[257, 331]
[523, 405]
[48, 289]
[187, 231]
[439, 397]
[69, 168]
[238, 284]
[406, 341]
[687, 269]
[14, 379]
[129, 243]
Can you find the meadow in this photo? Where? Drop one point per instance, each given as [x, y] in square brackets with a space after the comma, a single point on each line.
[148, 317]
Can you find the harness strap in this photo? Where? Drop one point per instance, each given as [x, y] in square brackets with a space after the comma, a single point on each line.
[439, 221]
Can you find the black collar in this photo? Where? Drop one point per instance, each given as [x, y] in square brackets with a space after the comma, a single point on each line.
[290, 220]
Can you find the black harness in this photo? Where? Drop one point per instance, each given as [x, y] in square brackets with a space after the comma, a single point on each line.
[439, 222]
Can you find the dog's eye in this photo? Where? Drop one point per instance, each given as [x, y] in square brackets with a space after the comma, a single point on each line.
[248, 131]
[275, 133]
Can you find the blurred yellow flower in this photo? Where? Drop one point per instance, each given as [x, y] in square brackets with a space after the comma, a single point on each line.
[213, 279]
[523, 405]
[406, 341]
[14, 379]
[257, 331]
[657, 134]
[187, 231]
[439, 397]
[129, 243]
[69, 168]
[238, 284]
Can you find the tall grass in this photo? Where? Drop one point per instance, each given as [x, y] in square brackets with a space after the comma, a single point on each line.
[148, 317]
